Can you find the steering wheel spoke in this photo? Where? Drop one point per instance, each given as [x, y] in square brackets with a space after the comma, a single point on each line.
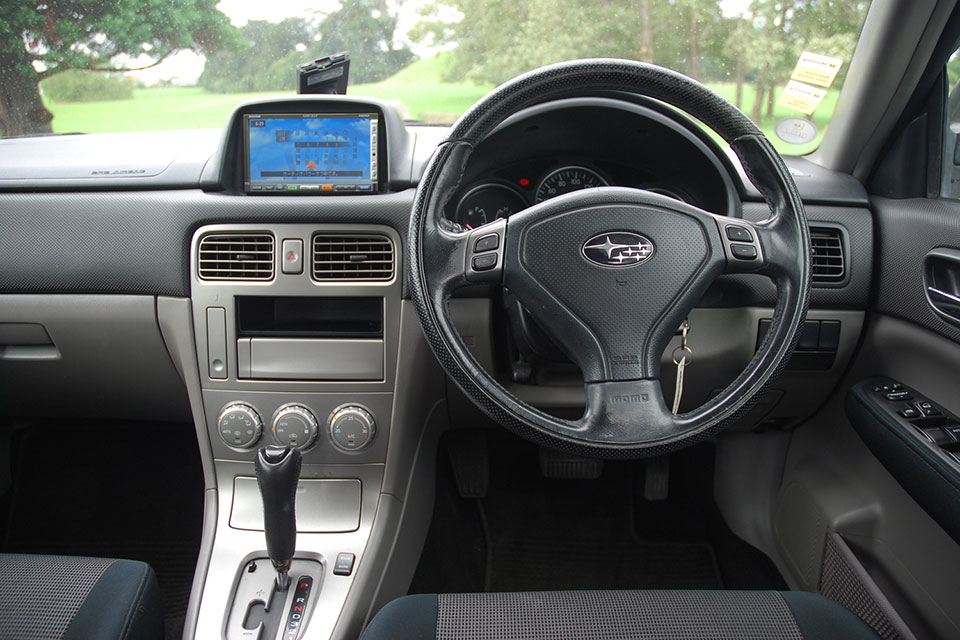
[627, 411]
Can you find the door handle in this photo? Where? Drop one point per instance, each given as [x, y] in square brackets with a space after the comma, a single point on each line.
[941, 277]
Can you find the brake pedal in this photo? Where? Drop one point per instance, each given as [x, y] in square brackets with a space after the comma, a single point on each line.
[555, 464]
[656, 485]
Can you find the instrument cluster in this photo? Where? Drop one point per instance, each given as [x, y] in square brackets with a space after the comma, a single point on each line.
[494, 197]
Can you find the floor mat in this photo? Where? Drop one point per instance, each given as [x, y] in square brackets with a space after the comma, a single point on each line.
[118, 490]
[532, 533]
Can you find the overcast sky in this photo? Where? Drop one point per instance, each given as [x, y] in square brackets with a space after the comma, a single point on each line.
[186, 66]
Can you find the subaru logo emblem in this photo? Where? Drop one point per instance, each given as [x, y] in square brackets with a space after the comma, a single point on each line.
[618, 249]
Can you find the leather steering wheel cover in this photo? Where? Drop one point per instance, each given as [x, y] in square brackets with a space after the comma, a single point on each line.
[762, 164]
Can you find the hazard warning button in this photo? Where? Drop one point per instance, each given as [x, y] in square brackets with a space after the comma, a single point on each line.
[292, 260]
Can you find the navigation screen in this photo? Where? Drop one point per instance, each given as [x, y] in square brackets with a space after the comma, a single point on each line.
[312, 152]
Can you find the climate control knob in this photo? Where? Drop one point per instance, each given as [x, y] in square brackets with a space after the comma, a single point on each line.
[352, 428]
[239, 425]
[295, 425]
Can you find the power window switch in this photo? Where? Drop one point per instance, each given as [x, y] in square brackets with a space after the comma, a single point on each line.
[292, 262]
[938, 437]
[344, 564]
[897, 396]
[954, 430]
[909, 413]
[927, 408]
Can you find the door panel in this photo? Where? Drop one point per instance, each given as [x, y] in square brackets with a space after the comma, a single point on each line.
[834, 484]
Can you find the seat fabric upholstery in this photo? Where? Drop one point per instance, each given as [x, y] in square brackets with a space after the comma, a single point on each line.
[63, 597]
[612, 615]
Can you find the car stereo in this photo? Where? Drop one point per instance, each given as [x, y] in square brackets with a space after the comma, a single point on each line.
[303, 153]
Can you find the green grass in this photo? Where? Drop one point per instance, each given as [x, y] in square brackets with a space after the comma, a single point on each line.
[417, 91]
[149, 109]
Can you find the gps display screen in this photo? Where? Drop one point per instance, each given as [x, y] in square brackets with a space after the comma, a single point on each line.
[311, 152]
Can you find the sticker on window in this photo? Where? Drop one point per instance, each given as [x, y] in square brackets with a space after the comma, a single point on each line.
[796, 130]
[801, 97]
[813, 68]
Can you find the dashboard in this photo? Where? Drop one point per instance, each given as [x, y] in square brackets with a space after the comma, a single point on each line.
[136, 201]
[145, 277]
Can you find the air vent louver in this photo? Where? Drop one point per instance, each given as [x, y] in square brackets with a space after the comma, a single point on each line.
[352, 258]
[828, 258]
[234, 256]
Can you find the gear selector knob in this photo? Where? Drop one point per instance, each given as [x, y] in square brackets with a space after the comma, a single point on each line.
[278, 472]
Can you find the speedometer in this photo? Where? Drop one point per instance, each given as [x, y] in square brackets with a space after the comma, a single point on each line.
[488, 202]
[566, 180]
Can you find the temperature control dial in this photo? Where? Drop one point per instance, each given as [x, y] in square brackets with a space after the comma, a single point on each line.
[294, 425]
[352, 428]
[239, 425]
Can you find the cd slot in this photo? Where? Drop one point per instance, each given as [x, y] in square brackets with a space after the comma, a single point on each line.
[314, 317]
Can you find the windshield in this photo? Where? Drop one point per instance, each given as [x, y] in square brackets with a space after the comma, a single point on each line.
[124, 65]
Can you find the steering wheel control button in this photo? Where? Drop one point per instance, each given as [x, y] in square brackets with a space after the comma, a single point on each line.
[743, 251]
[484, 252]
[738, 234]
[344, 564]
[292, 262]
[239, 425]
[352, 428]
[485, 262]
[487, 243]
[294, 425]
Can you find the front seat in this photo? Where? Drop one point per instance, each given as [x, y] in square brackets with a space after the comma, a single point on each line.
[52, 597]
[609, 615]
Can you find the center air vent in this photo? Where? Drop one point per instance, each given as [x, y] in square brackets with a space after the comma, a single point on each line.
[235, 256]
[828, 258]
[352, 258]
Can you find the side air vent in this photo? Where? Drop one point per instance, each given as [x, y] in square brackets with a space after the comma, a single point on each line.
[352, 258]
[236, 256]
[828, 259]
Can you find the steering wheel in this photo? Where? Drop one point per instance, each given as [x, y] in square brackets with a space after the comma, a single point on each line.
[609, 272]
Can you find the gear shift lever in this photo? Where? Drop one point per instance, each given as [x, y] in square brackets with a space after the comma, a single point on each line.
[278, 471]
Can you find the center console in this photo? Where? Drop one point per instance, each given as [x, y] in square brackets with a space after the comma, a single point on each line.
[297, 332]
[290, 346]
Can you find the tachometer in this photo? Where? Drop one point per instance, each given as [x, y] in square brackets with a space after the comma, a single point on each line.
[566, 180]
[488, 202]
